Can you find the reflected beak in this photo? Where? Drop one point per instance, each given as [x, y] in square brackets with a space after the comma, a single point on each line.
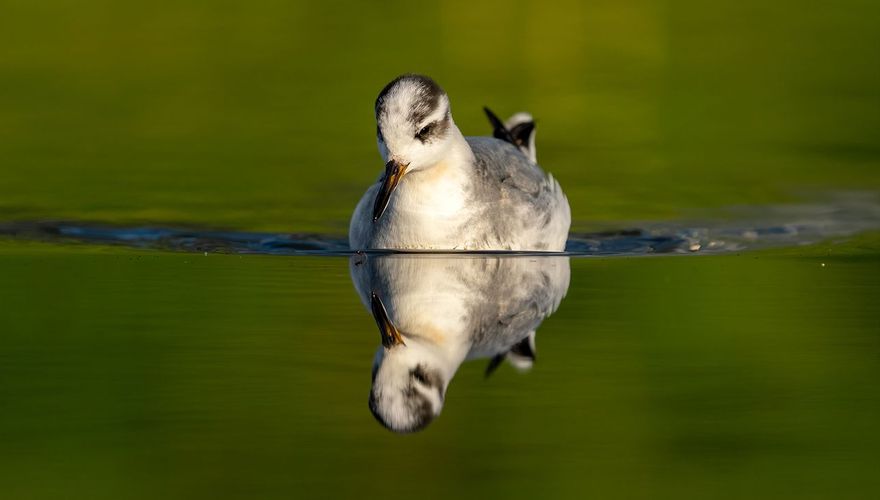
[390, 334]
[394, 171]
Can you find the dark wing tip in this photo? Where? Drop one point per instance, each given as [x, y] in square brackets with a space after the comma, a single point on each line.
[493, 118]
[494, 363]
[521, 133]
[499, 131]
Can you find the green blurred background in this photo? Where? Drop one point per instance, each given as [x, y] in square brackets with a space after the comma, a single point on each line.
[259, 114]
[143, 374]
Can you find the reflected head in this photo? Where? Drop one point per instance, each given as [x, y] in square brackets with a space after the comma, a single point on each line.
[407, 393]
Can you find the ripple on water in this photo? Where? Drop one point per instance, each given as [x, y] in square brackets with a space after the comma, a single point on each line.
[735, 229]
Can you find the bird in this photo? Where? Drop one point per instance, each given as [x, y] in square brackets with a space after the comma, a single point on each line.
[443, 191]
[434, 312]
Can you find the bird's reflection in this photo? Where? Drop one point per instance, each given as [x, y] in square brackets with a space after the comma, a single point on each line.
[435, 312]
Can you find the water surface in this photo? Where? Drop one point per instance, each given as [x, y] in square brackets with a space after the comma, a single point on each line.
[139, 373]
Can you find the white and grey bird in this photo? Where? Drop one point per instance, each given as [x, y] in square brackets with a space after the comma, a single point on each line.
[443, 191]
[435, 312]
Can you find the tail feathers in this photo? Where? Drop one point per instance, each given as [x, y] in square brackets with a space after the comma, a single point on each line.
[522, 128]
[519, 130]
[521, 355]
[499, 129]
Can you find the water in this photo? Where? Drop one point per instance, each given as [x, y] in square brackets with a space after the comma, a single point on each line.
[130, 371]
[178, 317]
[743, 228]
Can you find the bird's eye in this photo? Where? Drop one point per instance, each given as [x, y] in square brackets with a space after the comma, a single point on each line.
[419, 375]
[423, 133]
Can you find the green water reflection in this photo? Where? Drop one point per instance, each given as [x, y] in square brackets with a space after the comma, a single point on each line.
[142, 374]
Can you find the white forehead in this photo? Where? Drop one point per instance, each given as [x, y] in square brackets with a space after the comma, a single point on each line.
[412, 101]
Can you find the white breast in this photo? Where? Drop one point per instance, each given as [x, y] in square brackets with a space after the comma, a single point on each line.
[435, 209]
[426, 212]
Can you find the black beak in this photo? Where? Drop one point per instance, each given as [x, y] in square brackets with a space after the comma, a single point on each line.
[390, 334]
[394, 171]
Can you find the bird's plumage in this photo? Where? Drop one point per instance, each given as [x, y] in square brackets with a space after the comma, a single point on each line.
[507, 203]
[456, 192]
[449, 309]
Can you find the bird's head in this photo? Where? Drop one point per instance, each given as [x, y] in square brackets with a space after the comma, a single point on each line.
[409, 382]
[414, 130]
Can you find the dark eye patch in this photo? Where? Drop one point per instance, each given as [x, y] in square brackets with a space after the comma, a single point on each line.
[419, 374]
[433, 129]
[423, 134]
